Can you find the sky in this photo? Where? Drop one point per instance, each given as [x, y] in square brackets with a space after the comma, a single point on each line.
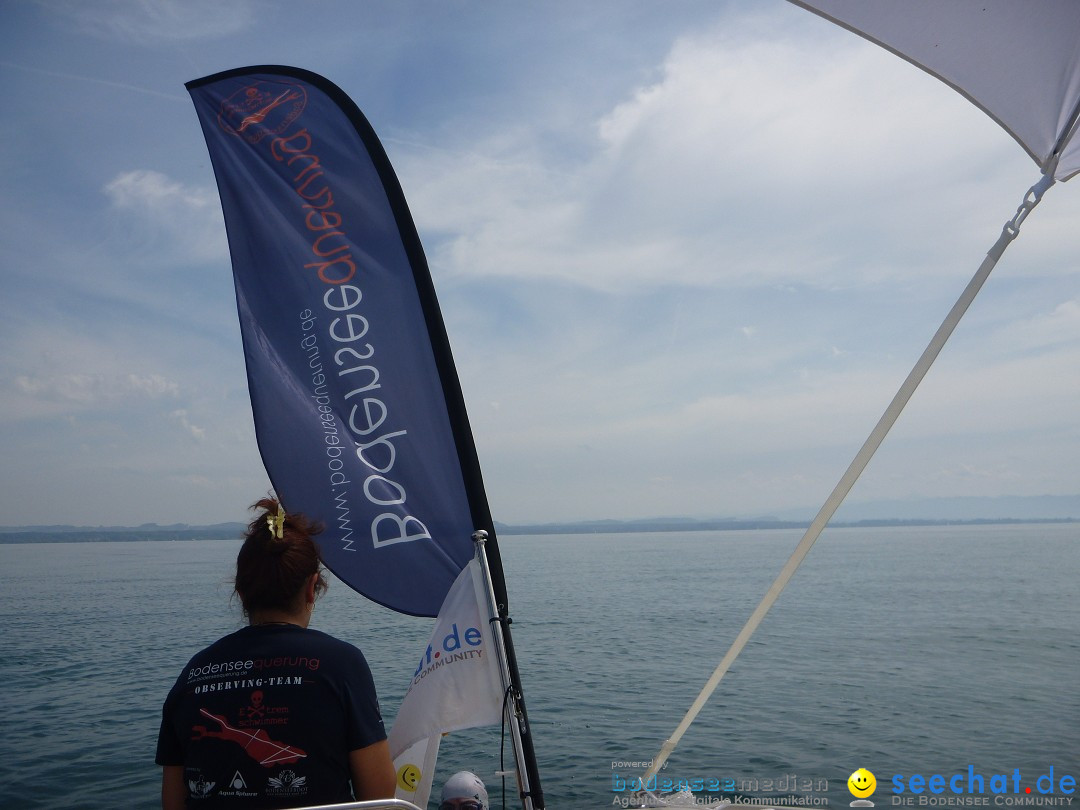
[686, 253]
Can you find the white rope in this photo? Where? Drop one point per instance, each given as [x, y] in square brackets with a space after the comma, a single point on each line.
[858, 464]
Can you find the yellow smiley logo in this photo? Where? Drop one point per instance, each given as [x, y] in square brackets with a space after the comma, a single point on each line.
[861, 783]
[408, 777]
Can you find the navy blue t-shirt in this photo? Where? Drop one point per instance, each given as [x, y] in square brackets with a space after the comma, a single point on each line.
[267, 716]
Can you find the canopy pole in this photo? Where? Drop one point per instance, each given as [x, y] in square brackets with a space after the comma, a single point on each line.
[858, 464]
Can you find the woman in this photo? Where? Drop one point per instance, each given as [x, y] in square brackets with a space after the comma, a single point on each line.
[275, 714]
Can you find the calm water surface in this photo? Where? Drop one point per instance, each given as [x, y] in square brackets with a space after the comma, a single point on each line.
[902, 650]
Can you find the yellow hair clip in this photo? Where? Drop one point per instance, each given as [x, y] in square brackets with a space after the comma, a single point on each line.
[277, 522]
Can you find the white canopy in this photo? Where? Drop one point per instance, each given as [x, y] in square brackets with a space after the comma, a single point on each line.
[1018, 61]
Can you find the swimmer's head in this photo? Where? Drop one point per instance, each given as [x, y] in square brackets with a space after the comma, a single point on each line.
[464, 791]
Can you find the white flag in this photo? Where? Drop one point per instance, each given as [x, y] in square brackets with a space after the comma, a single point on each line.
[456, 685]
[415, 767]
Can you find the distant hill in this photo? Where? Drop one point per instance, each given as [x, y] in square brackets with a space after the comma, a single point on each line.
[910, 512]
[914, 512]
[689, 525]
[1006, 507]
[147, 531]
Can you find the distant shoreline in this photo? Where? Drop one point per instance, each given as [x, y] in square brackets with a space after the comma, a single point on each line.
[233, 531]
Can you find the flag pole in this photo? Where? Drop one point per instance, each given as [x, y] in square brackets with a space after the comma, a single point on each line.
[528, 774]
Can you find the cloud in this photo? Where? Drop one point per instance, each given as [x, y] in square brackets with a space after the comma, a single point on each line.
[155, 191]
[95, 389]
[744, 163]
[1058, 327]
[181, 417]
[93, 366]
[153, 385]
[188, 217]
[137, 21]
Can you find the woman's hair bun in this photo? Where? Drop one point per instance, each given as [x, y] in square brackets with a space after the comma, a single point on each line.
[277, 557]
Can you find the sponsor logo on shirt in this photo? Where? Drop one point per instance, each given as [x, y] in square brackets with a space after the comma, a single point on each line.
[200, 788]
[286, 783]
[238, 786]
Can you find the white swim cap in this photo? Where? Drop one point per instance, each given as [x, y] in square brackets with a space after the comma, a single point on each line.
[465, 785]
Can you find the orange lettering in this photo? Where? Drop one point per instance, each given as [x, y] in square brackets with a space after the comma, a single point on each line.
[316, 246]
[312, 165]
[318, 221]
[283, 144]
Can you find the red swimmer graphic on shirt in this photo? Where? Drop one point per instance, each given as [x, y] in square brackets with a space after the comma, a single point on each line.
[257, 744]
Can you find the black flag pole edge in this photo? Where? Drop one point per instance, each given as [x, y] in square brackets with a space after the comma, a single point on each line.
[448, 377]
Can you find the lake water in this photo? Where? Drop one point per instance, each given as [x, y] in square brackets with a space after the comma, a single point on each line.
[931, 650]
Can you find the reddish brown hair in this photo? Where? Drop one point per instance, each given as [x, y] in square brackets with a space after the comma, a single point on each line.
[271, 571]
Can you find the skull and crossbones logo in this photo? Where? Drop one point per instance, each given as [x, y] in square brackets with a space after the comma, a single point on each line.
[256, 709]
